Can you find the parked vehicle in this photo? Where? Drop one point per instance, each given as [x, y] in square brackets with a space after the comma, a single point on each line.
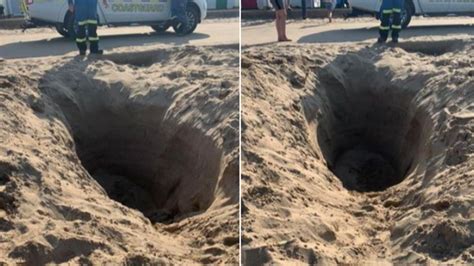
[155, 13]
[418, 7]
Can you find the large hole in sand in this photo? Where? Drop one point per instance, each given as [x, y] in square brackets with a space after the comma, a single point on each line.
[369, 136]
[141, 156]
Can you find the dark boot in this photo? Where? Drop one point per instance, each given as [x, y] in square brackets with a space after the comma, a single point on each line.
[94, 39]
[384, 25]
[81, 40]
[396, 25]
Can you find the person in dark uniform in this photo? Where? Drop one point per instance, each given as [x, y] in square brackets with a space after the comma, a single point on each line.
[390, 9]
[178, 12]
[85, 14]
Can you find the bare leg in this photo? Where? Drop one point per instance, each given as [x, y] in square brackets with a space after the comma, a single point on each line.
[283, 38]
[283, 24]
[278, 24]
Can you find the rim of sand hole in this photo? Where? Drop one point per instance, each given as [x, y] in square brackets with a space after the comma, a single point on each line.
[148, 58]
[432, 47]
[140, 156]
[371, 137]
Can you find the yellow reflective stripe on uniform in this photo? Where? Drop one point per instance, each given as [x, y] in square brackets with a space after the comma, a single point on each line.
[81, 40]
[89, 21]
[387, 11]
[384, 28]
[398, 27]
[23, 7]
[397, 10]
[93, 39]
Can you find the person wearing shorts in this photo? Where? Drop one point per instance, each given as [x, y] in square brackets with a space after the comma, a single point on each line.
[280, 19]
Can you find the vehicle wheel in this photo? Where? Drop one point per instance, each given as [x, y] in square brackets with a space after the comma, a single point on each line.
[66, 29]
[61, 30]
[192, 12]
[407, 13]
[160, 28]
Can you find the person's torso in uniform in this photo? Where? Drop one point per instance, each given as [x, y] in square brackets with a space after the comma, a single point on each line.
[85, 9]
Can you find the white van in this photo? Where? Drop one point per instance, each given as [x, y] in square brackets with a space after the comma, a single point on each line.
[419, 7]
[155, 13]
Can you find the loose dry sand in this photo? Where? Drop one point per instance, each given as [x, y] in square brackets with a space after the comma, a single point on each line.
[358, 153]
[128, 158]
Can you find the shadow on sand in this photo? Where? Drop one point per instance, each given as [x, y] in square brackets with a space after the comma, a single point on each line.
[61, 46]
[364, 34]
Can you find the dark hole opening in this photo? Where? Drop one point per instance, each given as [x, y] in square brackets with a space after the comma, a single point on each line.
[369, 137]
[164, 170]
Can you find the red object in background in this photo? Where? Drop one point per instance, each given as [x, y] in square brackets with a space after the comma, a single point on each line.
[249, 4]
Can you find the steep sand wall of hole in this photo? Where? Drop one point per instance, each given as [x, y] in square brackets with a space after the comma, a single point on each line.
[145, 161]
[370, 137]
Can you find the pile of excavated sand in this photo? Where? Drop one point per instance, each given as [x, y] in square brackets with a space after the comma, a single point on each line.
[358, 153]
[129, 158]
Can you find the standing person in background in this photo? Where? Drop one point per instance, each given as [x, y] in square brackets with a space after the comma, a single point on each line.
[330, 6]
[390, 9]
[280, 19]
[178, 11]
[85, 14]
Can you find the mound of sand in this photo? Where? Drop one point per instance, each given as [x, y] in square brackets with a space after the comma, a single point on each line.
[130, 158]
[358, 153]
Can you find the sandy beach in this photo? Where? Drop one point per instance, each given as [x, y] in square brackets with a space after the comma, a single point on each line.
[356, 153]
[129, 158]
[225, 147]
